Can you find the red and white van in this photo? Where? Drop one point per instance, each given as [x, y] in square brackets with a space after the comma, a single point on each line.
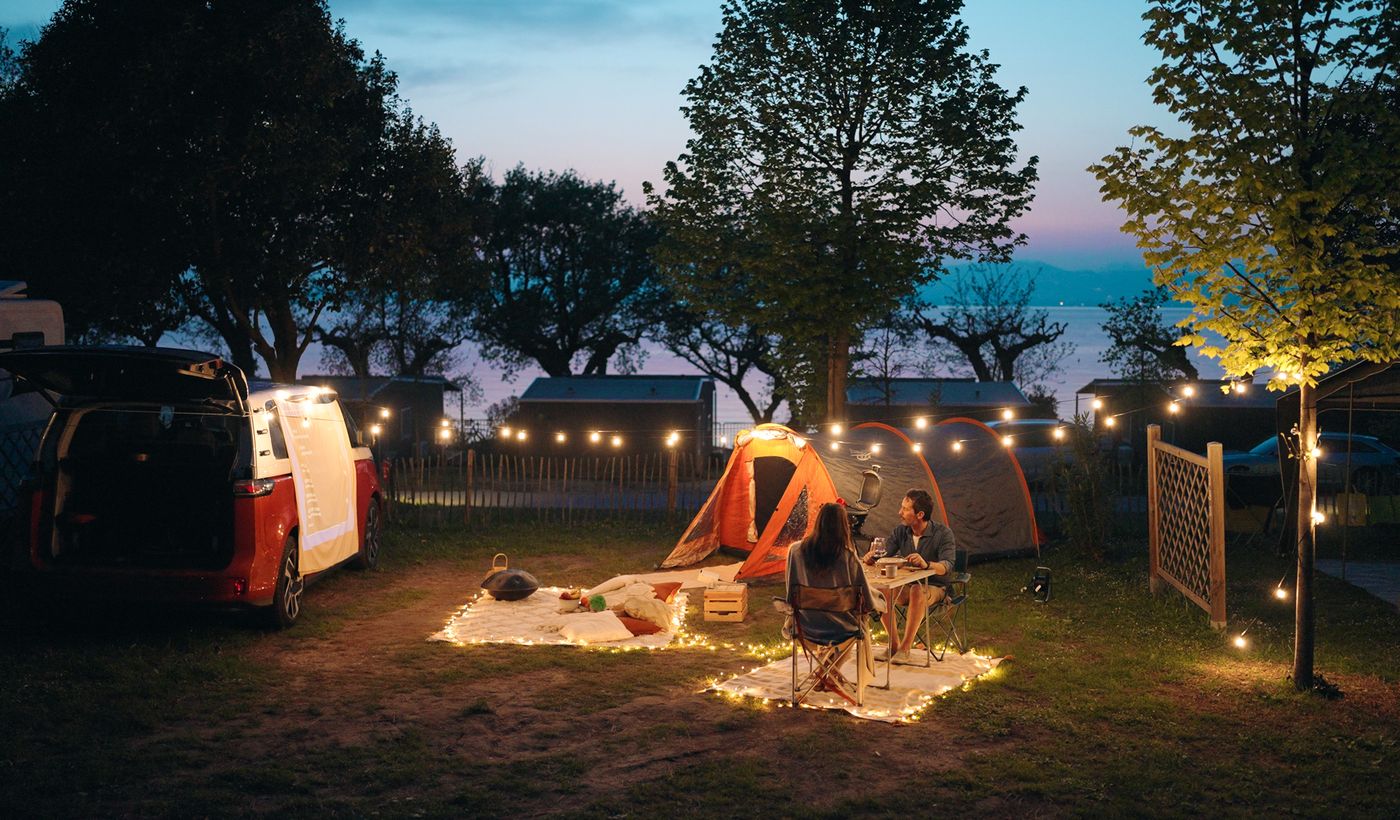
[161, 476]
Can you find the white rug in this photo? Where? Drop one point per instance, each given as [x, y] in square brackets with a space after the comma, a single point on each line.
[535, 621]
[911, 687]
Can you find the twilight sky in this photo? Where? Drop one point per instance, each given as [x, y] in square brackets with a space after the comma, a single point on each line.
[594, 85]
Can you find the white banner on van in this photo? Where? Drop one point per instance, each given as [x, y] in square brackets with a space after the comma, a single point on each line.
[323, 474]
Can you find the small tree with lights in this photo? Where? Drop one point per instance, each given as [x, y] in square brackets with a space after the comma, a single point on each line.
[1273, 217]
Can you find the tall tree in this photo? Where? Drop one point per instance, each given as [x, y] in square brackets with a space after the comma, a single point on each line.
[570, 280]
[843, 150]
[1144, 348]
[220, 153]
[989, 321]
[1273, 217]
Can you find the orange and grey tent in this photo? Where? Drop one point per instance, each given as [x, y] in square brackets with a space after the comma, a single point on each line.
[770, 490]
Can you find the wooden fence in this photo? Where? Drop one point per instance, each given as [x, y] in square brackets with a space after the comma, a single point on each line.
[470, 487]
[1186, 522]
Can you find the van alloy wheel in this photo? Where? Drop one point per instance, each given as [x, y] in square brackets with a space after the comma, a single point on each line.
[286, 600]
[368, 557]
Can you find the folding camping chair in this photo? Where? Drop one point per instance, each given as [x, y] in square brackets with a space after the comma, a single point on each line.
[825, 656]
[950, 613]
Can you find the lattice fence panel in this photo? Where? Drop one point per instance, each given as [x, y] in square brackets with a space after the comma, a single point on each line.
[1186, 515]
[1183, 524]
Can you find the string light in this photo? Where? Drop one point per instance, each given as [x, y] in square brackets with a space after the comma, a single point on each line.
[1059, 434]
[1188, 391]
[724, 441]
[921, 422]
[875, 448]
[918, 448]
[1281, 593]
[1174, 408]
[1007, 441]
[1008, 414]
[521, 435]
[1240, 642]
[617, 441]
[1097, 403]
[446, 434]
[374, 429]
[560, 438]
[835, 445]
[445, 422]
[957, 446]
[1318, 517]
[506, 432]
[595, 436]
[1110, 421]
[384, 412]
[1315, 452]
[836, 429]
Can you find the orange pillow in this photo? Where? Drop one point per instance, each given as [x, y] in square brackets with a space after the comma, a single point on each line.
[637, 626]
[666, 592]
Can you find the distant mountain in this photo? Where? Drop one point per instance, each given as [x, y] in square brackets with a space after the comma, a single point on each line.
[1056, 286]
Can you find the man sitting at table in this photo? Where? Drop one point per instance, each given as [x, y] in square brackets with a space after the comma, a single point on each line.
[923, 544]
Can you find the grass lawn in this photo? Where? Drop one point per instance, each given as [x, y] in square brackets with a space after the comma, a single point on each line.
[1115, 703]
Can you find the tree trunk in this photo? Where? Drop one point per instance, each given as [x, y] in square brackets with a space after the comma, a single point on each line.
[1307, 501]
[838, 360]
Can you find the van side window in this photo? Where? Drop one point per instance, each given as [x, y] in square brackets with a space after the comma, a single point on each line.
[351, 428]
[274, 431]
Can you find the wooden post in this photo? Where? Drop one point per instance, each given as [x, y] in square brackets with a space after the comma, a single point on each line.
[471, 470]
[1154, 557]
[671, 480]
[1215, 458]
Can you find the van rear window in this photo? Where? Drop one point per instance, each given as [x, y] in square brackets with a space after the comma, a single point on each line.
[274, 431]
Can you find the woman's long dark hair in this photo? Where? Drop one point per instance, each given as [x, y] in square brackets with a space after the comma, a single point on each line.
[831, 533]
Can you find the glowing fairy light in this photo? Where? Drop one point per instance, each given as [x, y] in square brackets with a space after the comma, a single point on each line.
[918, 448]
[560, 438]
[921, 423]
[1097, 403]
[875, 448]
[1110, 421]
[835, 445]
[1059, 434]
[1315, 452]
[1188, 391]
[521, 435]
[1174, 408]
[617, 441]
[507, 432]
[836, 429]
[595, 436]
[957, 446]
[1008, 441]
[1318, 517]
[1281, 593]
[1240, 641]
[1008, 414]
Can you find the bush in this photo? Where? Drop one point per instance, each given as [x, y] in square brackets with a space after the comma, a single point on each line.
[1085, 479]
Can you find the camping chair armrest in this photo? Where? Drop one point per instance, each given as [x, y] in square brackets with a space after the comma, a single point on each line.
[782, 605]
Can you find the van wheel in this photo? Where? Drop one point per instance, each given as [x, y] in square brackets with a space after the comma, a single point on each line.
[368, 556]
[286, 600]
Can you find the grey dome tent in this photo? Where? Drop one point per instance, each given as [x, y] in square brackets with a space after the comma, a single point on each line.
[976, 483]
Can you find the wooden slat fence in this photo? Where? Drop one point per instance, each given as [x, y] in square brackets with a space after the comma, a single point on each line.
[479, 488]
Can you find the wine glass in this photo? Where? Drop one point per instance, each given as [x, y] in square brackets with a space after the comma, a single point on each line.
[877, 547]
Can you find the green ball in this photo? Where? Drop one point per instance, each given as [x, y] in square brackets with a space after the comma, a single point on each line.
[597, 603]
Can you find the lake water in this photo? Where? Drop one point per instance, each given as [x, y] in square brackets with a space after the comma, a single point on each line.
[1082, 365]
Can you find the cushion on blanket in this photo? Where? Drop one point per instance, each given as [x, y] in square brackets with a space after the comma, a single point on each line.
[637, 626]
[593, 627]
[666, 592]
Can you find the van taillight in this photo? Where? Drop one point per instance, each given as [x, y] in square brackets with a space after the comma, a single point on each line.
[253, 487]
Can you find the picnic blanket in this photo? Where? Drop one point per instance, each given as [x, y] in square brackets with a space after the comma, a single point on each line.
[536, 620]
[911, 687]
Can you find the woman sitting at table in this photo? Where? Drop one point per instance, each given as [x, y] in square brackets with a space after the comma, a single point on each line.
[826, 560]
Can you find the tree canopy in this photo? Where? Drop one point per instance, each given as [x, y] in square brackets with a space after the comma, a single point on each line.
[1273, 216]
[226, 160]
[570, 280]
[842, 151]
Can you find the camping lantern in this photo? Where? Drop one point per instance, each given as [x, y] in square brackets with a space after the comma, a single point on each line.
[1039, 587]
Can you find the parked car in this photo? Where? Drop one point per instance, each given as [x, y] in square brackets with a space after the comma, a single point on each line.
[1038, 444]
[1375, 465]
[162, 477]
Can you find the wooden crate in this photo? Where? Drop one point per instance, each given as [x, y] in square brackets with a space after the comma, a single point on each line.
[726, 602]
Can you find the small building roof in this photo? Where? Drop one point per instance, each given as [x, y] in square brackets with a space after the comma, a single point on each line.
[1205, 392]
[963, 392]
[640, 389]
